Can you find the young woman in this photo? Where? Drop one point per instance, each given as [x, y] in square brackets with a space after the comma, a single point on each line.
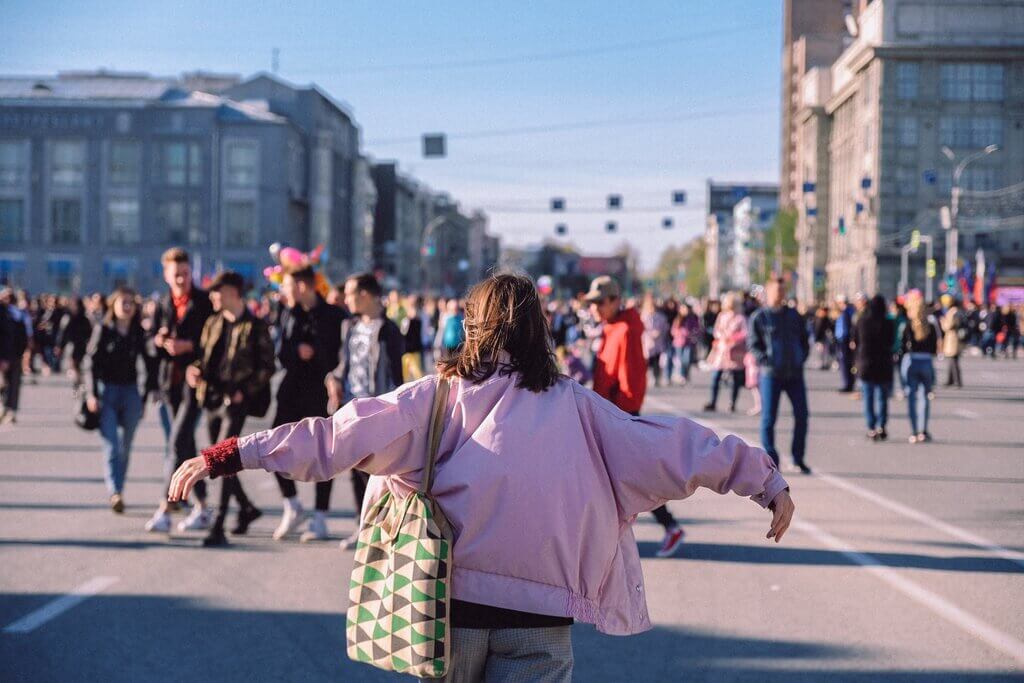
[529, 464]
[685, 336]
[655, 337]
[919, 343]
[874, 333]
[730, 346]
[113, 383]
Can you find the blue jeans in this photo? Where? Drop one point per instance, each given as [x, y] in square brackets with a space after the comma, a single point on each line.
[737, 383]
[876, 403]
[685, 356]
[920, 374]
[120, 411]
[772, 388]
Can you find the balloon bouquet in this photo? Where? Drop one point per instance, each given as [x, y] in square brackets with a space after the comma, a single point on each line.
[290, 259]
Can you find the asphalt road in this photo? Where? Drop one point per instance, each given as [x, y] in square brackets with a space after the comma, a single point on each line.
[907, 561]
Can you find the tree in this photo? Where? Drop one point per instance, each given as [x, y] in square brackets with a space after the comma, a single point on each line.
[780, 251]
[696, 278]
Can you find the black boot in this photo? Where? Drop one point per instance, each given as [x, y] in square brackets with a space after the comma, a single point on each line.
[215, 538]
[246, 516]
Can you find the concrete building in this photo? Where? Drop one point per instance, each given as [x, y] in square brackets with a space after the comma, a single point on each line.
[917, 77]
[813, 35]
[753, 216]
[719, 235]
[100, 172]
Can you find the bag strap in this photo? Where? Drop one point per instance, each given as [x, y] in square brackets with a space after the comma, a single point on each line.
[437, 414]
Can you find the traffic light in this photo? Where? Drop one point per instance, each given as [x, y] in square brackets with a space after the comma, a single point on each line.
[611, 226]
[434, 145]
[558, 204]
[666, 222]
[679, 197]
[561, 229]
[615, 201]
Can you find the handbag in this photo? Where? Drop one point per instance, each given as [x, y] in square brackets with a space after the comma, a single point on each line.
[399, 592]
[85, 418]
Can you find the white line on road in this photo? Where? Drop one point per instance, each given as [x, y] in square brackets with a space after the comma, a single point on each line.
[55, 608]
[967, 414]
[900, 509]
[926, 519]
[999, 640]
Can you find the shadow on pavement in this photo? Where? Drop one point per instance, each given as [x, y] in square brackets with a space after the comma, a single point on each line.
[716, 552]
[133, 638]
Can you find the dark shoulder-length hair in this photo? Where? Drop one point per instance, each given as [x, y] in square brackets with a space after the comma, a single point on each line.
[504, 314]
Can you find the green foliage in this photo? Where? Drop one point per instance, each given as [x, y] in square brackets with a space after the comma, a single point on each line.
[780, 251]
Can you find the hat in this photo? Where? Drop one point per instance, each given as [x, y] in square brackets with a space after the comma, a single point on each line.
[229, 278]
[603, 287]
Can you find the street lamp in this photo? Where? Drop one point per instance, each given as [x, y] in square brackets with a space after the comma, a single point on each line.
[428, 230]
[953, 233]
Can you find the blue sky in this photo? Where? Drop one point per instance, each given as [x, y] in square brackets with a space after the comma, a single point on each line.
[673, 92]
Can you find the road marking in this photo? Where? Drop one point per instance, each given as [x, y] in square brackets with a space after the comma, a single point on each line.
[55, 608]
[967, 414]
[969, 623]
[926, 519]
[900, 509]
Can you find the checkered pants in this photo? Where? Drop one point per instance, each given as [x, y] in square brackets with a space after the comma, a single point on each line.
[541, 655]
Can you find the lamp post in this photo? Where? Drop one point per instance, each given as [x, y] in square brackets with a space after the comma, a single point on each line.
[953, 233]
[428, 230]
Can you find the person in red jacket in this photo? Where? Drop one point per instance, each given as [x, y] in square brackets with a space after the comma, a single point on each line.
[620, 372]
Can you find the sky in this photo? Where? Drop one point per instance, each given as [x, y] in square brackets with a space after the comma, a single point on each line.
[575, 99]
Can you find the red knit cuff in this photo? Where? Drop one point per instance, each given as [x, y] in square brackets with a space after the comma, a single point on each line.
[223, 459]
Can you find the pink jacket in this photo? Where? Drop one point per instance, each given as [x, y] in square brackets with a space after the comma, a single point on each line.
[541, 488]
[730, 341]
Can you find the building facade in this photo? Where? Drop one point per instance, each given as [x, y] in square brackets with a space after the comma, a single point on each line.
[917, 78]
[752, 217]
[101, 172]
[719, 233]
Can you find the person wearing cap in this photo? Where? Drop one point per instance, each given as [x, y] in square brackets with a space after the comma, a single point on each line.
[231, 379]
[620, 372]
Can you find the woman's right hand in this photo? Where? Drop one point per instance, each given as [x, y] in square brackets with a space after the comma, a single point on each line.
[92, 404]
[782, 508]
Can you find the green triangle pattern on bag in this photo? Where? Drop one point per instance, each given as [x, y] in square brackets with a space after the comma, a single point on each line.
[401, 576]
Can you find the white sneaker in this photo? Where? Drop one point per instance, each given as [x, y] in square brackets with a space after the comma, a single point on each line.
[159, 524]
[291, 520]
[317, 530]
[351, 542]
[198, 519]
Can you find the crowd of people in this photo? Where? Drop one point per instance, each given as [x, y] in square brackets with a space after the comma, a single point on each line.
[209, 354]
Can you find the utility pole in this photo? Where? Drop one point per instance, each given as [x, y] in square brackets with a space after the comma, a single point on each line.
[953, 232]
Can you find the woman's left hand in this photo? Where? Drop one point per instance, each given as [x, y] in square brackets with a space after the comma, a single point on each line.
[191, 471]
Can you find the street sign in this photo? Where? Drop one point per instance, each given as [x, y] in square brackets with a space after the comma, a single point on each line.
[915, 239]
[812, 211]
[865, 183]
[808, 187]
[679, 197]
[434, 145]
[930, 176]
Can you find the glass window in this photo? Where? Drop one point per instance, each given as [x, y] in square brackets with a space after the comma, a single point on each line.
[124, 163]
[66, 221]
[906, 131]
[13, 162]
[123, 221]
[67, 163]
[242, 161]
[240, 222]
[181, 221]
[182, 164]
[908, 76]
[906, 181]
[966, 82]
[12, 221]
[986, 130]
[980, 178]
[970, 131]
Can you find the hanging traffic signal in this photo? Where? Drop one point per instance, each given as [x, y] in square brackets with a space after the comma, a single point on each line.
[558, 204]
[611, 226]
[666, 222]
[679, 197]
[561, 229]
[615, 201]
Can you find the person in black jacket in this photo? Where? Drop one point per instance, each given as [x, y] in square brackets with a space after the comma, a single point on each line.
[370, 362]
[309, 340]
[874, 334]
[779, 341]
[113, 384]
[232, 381]
[179, 325]
[75, 331]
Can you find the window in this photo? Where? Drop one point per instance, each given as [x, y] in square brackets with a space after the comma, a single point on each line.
[180, 221]
[966, 82]
[240, 224]
[124, 163]
[970, 131]
[123, 221]
[908, 76]
[242, 164]
[906, 181]
[12, 221]
[67, 163]
[182, 164]
[906, 131]
[13, 162]
[66, 221]
[980, 178]
[62, 275]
